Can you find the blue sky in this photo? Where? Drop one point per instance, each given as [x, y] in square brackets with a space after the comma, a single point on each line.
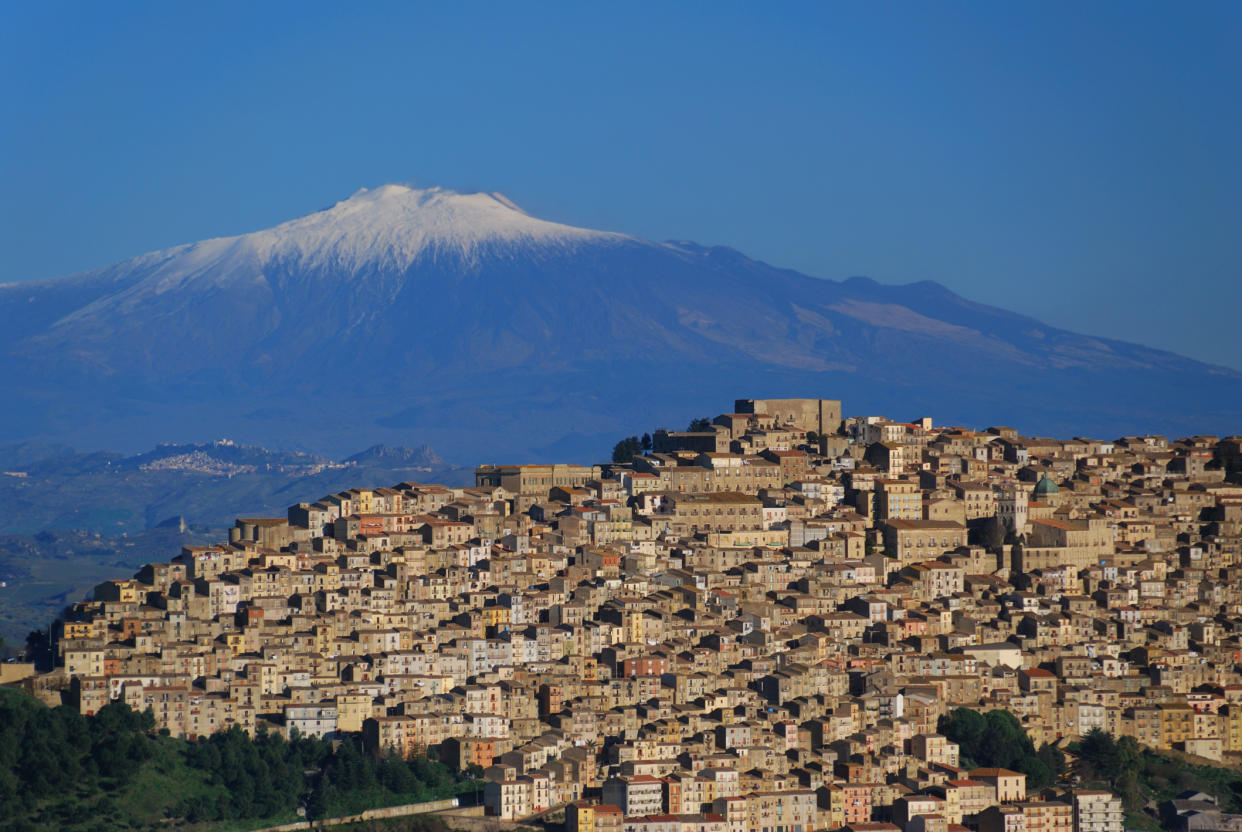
[1081, 163]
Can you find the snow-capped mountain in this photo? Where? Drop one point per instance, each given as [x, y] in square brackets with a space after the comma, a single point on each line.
[375, 233]
[461, 318]
[387, 229]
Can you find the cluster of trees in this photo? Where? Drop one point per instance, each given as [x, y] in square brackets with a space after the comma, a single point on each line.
[45, 753]
[1116, 762]
[246, 778]
[267, 777]
[630, 447]
[1141, 776]
[351, 781]
[60, 770]
[998, 739]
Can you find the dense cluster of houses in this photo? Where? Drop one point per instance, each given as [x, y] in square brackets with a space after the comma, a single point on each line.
[750, 627]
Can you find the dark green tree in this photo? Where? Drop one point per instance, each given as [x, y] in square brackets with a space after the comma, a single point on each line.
[321, 799]
[1131, 793]
[39, 649]
[966, 728]
[998, 739]
[395, 776]
[699, 425]
[1107, 758]
[1099, 754]
[993, 534]
[1037, 774]
[1052, 758]
[626, 449]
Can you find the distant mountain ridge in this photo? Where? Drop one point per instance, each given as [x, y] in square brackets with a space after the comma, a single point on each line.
[226, 456]
[209, 484]
[74, 518]
[462, 320]
[420, 458]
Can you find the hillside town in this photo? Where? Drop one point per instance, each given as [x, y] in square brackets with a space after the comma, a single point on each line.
[757, 625]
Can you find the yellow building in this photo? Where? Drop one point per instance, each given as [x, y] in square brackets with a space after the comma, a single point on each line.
[898, 500]
[1231, 730]
[1176, 723]
[352, 709]
[580, 817]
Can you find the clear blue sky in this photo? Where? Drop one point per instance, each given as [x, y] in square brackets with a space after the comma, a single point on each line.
[1080, 162]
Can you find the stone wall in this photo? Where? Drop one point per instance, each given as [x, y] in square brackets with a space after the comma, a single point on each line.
[450, 804]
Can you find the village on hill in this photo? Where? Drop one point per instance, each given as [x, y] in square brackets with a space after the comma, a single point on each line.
[767, 623]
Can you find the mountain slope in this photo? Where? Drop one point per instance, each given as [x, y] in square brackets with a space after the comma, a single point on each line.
[471, 325]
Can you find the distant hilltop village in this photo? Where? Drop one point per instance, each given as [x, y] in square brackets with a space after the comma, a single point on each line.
[762, 624]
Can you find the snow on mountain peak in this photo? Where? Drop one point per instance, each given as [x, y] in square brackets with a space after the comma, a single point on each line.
[387, 228]
[395, 224]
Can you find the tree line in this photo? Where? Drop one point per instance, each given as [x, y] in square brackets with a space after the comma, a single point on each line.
[632, 446]
[61, 770]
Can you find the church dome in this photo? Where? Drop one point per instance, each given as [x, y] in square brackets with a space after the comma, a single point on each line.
[1046, 486]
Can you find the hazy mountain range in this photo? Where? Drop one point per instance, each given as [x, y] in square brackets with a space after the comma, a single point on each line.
[427, 316]
[207, 484]
[74, 518]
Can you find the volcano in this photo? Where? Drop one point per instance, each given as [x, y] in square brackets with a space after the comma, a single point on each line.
[410, 316]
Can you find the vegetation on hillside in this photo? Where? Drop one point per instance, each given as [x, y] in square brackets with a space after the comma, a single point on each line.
[1144, 778]
[60, 770]
[998, 739]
